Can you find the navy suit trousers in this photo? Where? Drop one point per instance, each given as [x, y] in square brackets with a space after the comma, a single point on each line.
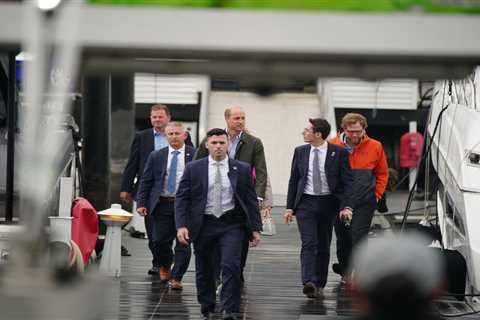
[228, 238]
[164, 232]
[149, 228]
[315, 216]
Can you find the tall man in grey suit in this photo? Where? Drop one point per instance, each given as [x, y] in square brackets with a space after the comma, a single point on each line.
[244, 147]
[319, 188]
[216, 207]
[156, 197]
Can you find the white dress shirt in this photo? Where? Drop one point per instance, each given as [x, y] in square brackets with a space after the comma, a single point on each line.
[322, 155]
[180, 169]
[228, 202]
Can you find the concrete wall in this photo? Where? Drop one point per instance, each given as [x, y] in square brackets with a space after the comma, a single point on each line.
[278, 120]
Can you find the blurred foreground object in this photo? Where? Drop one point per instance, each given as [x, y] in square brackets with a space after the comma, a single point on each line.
[397, 278]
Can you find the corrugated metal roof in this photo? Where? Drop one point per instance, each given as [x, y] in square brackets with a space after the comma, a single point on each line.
[385, 94]
[156, 88]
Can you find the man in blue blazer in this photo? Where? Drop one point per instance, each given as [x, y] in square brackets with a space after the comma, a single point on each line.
[216, 205]
[143, 144]
[319, 188]
[156, 197]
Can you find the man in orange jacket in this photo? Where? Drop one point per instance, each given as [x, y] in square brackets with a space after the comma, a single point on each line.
[370, 172]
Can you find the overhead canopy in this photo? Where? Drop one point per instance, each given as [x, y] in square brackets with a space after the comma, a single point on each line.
[265, 46]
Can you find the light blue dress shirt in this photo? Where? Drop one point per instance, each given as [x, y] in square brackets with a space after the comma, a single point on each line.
[160, 140]
[232, 147]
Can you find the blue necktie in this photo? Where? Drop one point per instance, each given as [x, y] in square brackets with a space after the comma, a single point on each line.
[172, 173]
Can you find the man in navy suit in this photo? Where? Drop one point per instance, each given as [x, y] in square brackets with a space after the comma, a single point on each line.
[319, 188]
[143, 144]
[156, 197]
[216, 205]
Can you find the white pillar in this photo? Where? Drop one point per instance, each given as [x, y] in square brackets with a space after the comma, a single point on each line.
[114, 217]
[111, 263]
[61, 229]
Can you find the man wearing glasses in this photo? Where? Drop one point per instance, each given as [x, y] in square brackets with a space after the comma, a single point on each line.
[370, 172]
[319, 188]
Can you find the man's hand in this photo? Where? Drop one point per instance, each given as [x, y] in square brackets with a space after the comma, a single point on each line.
[288, 216]
[182, 236]
[142, 211]
[125, 197]
[346, 215]
[255, 239]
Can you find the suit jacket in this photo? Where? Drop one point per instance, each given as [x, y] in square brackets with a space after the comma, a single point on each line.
[337, 170]
[191, 198]
[249, 150]
[153, 178]
[143, 144]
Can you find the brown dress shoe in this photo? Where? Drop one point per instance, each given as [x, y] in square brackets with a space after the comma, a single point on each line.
[176, 285]
[164, 274]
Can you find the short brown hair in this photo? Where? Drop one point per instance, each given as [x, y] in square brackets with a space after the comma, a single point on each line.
[351, 118]
[320, 125]
[163, 107]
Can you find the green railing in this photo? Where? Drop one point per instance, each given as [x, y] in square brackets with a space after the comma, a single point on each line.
[432, 6]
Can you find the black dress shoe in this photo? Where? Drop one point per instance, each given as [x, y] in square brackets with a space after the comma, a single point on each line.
[207, 316]
[137, 234]
[154, 271]
[338, 269]
[310, 290]
[229, 316]
[125, 252]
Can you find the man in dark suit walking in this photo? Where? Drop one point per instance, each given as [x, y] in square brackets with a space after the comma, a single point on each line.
[319, 188]
[216, 207]
[244, 147]
[143, 144]
[156, 197]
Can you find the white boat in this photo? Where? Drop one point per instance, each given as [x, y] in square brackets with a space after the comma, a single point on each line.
[454, 126]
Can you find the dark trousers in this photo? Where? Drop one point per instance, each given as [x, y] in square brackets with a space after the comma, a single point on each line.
[227, 237]
[245, 246]
[315, 216]
[164, 232]
[149, 228]
[349, 237]
[243, 260]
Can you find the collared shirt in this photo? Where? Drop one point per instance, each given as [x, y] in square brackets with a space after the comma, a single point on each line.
[180, 169]
[228, 202]
[322, 155]
[343, 138]
[160, 140]
[232, 147]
